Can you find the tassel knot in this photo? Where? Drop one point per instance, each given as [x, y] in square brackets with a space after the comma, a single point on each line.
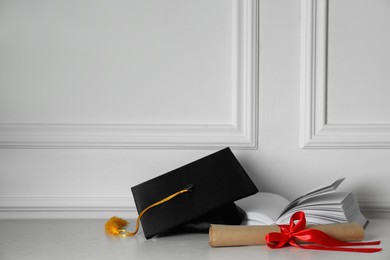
[115, 225]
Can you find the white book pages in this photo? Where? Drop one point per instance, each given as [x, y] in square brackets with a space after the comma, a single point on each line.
[262, 208]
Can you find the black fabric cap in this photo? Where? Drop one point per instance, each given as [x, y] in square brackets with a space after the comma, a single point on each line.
[218, 180]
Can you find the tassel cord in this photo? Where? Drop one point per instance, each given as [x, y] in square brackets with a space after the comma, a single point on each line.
[115, 225]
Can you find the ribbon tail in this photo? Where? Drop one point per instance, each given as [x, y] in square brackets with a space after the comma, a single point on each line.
[342, 249]
[326, 242]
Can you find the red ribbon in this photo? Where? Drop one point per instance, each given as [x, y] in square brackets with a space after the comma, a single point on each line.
[320, 240]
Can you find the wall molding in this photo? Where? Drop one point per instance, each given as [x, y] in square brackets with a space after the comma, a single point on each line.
[316, 132]
[240, 134]
[64, 208]
[104, 207]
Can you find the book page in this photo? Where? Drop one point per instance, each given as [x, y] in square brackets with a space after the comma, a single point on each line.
[315, 192]
[321, 200]
[328, 204]
[262, 208]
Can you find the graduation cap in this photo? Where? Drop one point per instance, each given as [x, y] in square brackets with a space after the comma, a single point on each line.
[194, 196]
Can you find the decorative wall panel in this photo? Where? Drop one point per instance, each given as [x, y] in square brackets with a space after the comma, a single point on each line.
[335, 111]
[84, 75]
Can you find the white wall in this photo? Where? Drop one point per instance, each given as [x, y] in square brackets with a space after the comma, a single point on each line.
[98, 96]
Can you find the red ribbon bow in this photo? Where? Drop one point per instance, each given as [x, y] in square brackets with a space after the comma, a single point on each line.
[320, 241]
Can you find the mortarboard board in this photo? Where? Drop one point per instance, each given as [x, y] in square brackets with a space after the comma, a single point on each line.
[213, 183]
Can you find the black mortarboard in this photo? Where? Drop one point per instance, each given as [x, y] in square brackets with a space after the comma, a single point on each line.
[215, 182]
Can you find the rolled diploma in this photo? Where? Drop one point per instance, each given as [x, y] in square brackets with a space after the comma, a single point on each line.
[226, 235]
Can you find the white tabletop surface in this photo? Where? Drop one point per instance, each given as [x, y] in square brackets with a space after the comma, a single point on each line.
[86, 239]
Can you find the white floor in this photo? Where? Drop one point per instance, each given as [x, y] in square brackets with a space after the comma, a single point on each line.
[86, 239]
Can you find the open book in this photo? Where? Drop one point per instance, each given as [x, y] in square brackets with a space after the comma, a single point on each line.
[324, 205]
